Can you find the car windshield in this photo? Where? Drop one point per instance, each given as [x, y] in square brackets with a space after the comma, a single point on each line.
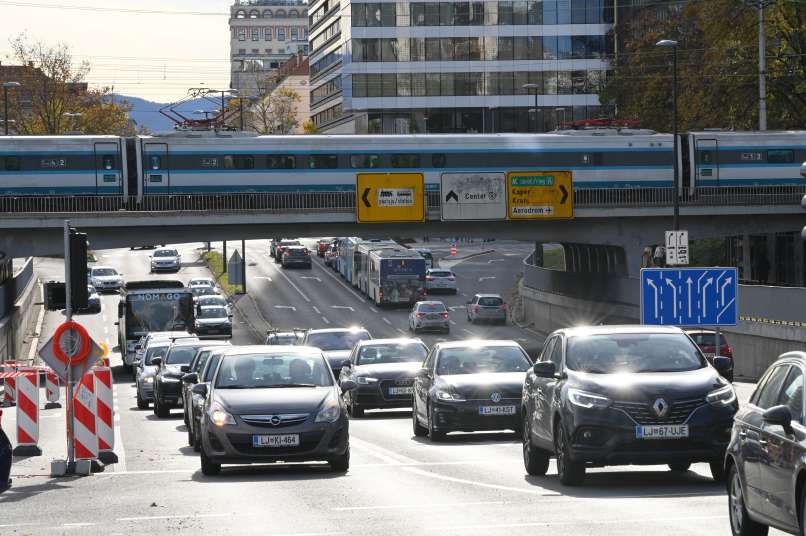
[376, 354]
[103, 271]
[180, 355]
[212, 312]
[431, 308]
[213, 300]
[632, 352]
[211, 366]
[490, 302]
[708, 339]
[157, 351]
[483, 359]
[262, 371]
[440, 273]
[282, 339]
[339, 340]
[165, 253]
[200, 282]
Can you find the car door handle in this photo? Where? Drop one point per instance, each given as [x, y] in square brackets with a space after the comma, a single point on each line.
[762, 443]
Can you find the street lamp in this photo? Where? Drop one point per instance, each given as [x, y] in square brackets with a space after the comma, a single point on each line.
[73, 116]
[6, 87]
[240, 107]
[668, 43]
[529, 88]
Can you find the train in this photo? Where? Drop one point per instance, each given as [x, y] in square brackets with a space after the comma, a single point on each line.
[194, 163]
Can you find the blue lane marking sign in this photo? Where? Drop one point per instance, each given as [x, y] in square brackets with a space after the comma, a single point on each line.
[689, 296]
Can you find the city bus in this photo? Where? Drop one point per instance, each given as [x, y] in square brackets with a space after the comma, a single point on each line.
[396, 276]
[361, 261]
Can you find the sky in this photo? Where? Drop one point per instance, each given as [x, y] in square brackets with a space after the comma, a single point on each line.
[155, 56]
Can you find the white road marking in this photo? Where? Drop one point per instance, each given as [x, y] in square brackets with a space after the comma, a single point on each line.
[387, 321]
[78, 524]
[495, 260]
[306, 298]
[468, 331]
[14, 525]
[340, 282]
[267, 278]
[342, 307]
[325, 320]
[374, 310]
[316, 309]
[177, 516]
[457, 307]
[453, 322]
[286, 307]
[485, 278]
[454, 528]
[403, 506]
[104, 317]
[402, 331]
[310, 277]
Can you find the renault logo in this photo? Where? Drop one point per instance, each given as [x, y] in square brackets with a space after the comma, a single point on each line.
[661, 407]
[496, 397]
[275, 420]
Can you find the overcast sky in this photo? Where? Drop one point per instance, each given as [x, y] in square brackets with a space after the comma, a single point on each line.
[154, 56]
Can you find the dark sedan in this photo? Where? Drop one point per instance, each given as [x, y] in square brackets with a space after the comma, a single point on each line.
[192, 374]
[267, 404]
[383, 371]
[195, 402]
[618, 395]
[766, 458]
[468, 386]
[168, 380]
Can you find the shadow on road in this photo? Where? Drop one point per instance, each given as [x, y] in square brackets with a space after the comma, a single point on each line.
[484, 438]
[380, 415]
[20, 492]
[270, 473]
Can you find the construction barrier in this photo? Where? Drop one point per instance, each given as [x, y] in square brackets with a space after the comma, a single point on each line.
[27, 414]
[453, 250]
[10, 390]
[84, 408]
[104, 421]
[52, 389]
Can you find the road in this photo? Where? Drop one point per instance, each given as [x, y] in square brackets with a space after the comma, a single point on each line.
[397, 484]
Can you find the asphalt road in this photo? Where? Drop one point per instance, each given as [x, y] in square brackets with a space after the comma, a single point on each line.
[397, 484]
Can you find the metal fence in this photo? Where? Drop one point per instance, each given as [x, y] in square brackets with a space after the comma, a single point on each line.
[341, 201]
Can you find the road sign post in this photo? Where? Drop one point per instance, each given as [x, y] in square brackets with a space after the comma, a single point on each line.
[540, 195]
[689, 296]
[676, 248]
[390, 197]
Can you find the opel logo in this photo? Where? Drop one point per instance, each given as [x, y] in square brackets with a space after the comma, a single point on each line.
[660, 407]
[275, 420]
[496, 397]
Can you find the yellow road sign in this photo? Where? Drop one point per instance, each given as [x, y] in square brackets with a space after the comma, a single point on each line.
[390, 197]
[540, 195]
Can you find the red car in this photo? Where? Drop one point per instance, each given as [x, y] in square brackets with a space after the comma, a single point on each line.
[322, 246]
[706, 340]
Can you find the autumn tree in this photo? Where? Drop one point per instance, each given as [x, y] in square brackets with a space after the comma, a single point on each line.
[276, 113]
[309, 127]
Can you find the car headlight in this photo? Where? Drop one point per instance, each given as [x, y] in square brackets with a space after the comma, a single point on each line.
[586, 400]
[148, 379]
[449, 395]
[220, 416]
[365, 380]
[330, 412]
[724, 396]
[169, 379]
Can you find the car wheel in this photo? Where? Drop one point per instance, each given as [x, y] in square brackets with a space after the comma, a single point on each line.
[185, 416]
[160, 411]
[141, 404]
[341, 464]
[208, 467]
[191, 437]
[535, 460]
[679, 467]
[196, 439]
[356, 411]
[433, 433]
[418, 429]
[571, 473]
[717, 470]
[740, 522]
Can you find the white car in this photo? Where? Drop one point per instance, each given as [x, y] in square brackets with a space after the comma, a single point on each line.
[166, 259]
[440, 279]
[202, 282]
[214, 299]
[105, 278]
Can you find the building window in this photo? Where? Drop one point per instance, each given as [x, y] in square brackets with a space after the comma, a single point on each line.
[267, 33]
[281, 34]
[294, 34]
[255, 51]
[241, 51]
[241, 34]
[255, 34]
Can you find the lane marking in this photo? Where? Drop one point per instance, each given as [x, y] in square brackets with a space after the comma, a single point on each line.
[453, 322]
[457, 307]
[374, 310]
[403, 506]
[454, 528]
[310, 277]
[306, 298]
[267, 278]
[13, 525]
[342, 307]
[340, 282]
[78, 524]
[387, 321]
[286, 307]
[485, 278]
[467, 331]
[119, 450]
[325, 320]
[402, 331]
[177, 516]
[316, 310]
[496, 260]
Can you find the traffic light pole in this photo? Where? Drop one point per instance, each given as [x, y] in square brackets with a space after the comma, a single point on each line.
[68, 314]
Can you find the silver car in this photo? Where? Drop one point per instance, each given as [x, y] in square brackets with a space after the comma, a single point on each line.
[437, 279]
[145, 371]
[105, 278]
[166, 259]
[488, 308]
[267, 404]
[429, 315]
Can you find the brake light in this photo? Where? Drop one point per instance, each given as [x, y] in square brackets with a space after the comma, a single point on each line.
[420, 315]
[429, 278]
[380, 294]
[444, 315]
[451, 278]
[307, 252]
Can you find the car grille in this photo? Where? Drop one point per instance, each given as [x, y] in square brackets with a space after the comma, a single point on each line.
[642, 412]
[400, 382]
[243, 443]
[485, 393]
[265, 421]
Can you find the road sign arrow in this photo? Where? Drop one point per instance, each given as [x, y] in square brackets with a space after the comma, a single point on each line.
[365, 197]
[451, 195]
[565, 194]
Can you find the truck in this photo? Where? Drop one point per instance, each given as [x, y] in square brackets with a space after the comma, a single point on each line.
[146, 306]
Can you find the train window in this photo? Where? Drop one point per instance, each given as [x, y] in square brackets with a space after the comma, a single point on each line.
[12, 163]
[239, 162]
[323, 161]
[438, 160]
[780, 156]
[706, 157]
[155, 162]
[365, 161]
[282, 162]
[108, 161]
[405, 160]
[587, 159]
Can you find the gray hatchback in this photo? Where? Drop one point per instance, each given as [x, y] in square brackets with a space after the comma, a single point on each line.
[487, 307]
[266, 404]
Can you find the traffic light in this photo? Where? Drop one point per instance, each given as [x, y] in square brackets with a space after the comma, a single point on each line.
[55, 296]
[78, 270]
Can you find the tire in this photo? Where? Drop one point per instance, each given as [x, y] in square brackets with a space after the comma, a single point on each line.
[208, 467]
[535, 460]
[571, 473]
[160, 411]
[418, 429]
[356, 411]
[717, 471]
[679, 467]
[191, 437]
[196, 440]
[185, 416]
[740, 522]
[141, 404]
[433, 434]
[341, 464]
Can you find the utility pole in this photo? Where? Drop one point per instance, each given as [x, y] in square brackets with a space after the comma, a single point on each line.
[762, 61]
[668, 43]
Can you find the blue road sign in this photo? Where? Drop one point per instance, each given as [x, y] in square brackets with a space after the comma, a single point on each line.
[689, 296]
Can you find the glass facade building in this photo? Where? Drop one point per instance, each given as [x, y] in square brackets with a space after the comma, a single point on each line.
[480, 66]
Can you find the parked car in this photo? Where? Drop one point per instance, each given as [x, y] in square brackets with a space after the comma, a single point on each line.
[165, 259]
[296, 256]
[437, 279]
[196, 401]
[465, 386]
[617, 395]
[247, 402]
[145, 371]
[488, 308]
[285, 337]
[383, 371]
[429, 315]
[706, 340]
[766, 477]
[105, 278]
[168, 380]
[335, 343]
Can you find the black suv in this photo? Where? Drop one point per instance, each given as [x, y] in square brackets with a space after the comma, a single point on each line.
[618, 395]
[168, 379]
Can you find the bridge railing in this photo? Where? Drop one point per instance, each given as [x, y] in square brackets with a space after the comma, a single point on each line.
[344, 201]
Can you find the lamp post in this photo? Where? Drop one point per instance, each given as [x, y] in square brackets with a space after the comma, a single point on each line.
[240, 107]
[6, 87]
[529, 88]
[73, 116]
[668, 43]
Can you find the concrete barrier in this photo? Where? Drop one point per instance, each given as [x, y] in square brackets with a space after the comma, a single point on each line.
[19, 317]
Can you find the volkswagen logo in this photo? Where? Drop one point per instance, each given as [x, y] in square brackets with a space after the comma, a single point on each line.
[661, 407]
[275, 420]
[496, 397]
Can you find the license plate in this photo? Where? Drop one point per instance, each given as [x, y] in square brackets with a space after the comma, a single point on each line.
[662, 431]
[433, 317]
[401, 391]
[279, 440]
[497, 410]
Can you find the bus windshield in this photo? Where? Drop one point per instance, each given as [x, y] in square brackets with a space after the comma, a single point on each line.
[158, 312]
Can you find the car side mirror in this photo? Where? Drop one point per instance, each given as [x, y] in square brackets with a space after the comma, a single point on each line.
[544, 369]
[723, 364]
[346, 364]
[191, 377]
[422, 373]
[138, 347]
[184, 368]
[779, 415]
[347, 385]
[157, 361]
[199, 389]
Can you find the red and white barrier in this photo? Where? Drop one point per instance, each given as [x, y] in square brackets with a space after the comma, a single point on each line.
[84, 408]
[104, 421]
[28, 415]
[52, 389]
[10, 382]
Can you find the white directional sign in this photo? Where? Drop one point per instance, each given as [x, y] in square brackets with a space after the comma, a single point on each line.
[676, 248]
[473, 196]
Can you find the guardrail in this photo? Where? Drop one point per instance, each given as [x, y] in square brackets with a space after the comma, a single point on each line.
[23, 277]
[344, 201]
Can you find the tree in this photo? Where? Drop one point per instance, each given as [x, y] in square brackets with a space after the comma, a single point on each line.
[309, 127]
[276, 113]
[717, 66]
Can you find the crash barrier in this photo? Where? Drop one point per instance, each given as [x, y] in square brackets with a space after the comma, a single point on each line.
[27, 414]
[104, 416]
[84, 410]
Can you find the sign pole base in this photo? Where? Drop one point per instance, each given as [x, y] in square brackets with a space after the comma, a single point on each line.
[27, 450]
[60, 468]
[52, 405]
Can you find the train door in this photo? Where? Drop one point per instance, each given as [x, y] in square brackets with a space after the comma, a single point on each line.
[156, 173]
[707, 162]
[108, 172]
